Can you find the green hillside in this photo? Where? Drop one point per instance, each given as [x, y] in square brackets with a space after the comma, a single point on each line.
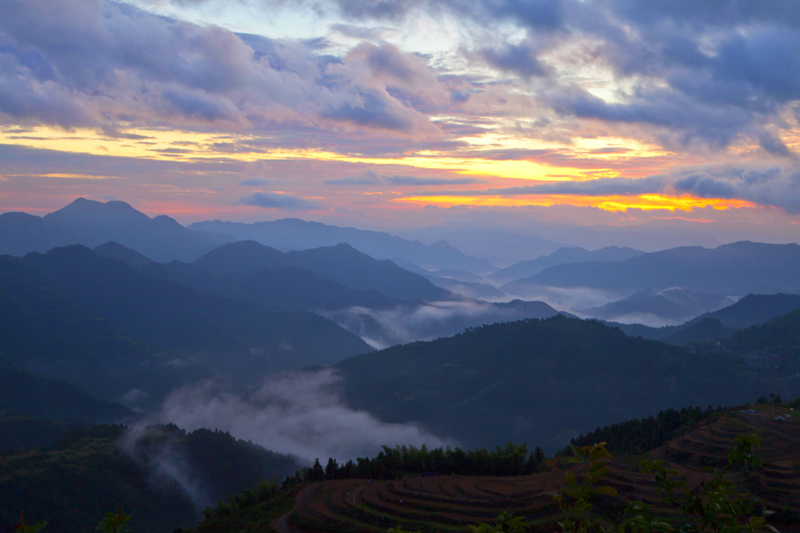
[539, 381]
[164, 479]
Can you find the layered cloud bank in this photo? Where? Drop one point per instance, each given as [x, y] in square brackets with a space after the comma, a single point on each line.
[347, 109]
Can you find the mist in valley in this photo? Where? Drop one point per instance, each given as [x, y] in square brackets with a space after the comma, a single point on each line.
[301, 413]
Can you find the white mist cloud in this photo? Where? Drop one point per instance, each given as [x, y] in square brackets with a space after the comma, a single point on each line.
[301, 414]
[381, 328]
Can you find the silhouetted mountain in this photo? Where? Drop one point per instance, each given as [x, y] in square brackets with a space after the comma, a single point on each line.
[526, 269]
[341, 263]
[731, 269]
[756, 309]
[751, 310]
[408, 323]
[114, 250]
[459, 282]
[479, 291]
[497, 245]
[701, 330]
[537, 381]
[777, 340]
[237, 339]
[242, 256]
[45, 331]
[161, 238]
[20, 432]
[25, 393]
[21, 233]
[286, 288]
[295, 234]
[669, 305]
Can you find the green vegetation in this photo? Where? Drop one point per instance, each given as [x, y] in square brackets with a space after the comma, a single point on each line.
[110, 329]
[18, 432]
[539, 381]
[74, 484]
[717, 507]
[394, 463]
[635, 437]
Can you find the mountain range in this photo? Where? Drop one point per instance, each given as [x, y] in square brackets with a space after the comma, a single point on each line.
[564, 255]
[749, 311]
[100, 324]
[92, 223]
[671, 305]
[295, 234]
[161, 238]
[538, 381]
[732, 270]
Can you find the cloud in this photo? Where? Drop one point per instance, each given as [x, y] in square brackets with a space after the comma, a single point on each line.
[101, 64]
[595, 187]
[286, 202]
[539, 14]
[301, 414]
[254, 182]
[373, 178]
[361, 32]
[517, 58]
[775, 186]
[769, 186]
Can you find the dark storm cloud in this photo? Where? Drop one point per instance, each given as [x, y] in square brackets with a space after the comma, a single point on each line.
[285, 202]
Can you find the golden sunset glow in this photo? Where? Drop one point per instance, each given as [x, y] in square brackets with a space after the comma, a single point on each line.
[346, 123]
[607, 203]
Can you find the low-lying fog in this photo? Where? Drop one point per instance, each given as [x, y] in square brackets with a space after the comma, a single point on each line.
[301, 413]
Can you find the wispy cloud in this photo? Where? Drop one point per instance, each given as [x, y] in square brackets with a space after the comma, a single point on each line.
[302, 414]
[285, 202]
[371, 177]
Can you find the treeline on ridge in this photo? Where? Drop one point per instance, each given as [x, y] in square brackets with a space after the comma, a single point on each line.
[635, 437]
[394, 463]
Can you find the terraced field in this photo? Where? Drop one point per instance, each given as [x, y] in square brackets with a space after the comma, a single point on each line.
[450, 503]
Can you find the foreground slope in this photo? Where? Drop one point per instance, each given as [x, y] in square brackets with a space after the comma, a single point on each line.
[539, 381]
[163, 476]
[445, 501]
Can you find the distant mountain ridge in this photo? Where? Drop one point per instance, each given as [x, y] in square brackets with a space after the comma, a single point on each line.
[564, 255]
[73, 314]
[341, 263]
[93, 223]
[669, 305]
[731, 269]
[290, 234]
[749, 311]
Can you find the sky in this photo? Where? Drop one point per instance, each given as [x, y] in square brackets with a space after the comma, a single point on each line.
[408, 113]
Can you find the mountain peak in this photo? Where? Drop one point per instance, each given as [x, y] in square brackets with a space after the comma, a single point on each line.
[82, 211]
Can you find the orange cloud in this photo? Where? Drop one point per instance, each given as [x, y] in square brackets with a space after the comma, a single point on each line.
[608, 203]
